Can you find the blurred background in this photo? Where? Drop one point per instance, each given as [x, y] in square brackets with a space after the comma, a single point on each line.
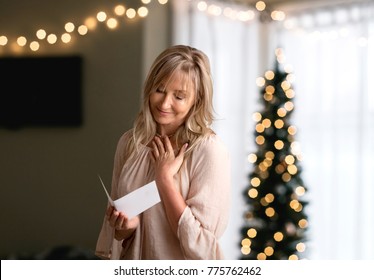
[52, 148]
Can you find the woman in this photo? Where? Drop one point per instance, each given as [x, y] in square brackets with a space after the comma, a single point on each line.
[172, 143]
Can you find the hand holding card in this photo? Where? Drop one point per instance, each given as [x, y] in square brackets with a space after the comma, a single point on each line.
[137, 201]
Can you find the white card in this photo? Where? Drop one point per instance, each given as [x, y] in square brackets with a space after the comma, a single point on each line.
[137, 201]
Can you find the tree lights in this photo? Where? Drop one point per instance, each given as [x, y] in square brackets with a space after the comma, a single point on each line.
[275, 223]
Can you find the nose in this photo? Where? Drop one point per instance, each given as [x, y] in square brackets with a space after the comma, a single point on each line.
[166, 102]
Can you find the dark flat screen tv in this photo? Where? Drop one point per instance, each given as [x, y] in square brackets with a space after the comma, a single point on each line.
[40, 91]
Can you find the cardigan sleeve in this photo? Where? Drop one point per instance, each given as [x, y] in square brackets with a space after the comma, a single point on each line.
[205, 218]
[107, 247]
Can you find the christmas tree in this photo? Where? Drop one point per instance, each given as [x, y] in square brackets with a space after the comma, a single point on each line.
[276, 223]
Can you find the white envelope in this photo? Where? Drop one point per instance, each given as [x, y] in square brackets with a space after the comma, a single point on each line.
[137, 201]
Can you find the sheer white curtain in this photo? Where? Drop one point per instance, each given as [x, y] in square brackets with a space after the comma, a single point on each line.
[232, 48]
[332, 54]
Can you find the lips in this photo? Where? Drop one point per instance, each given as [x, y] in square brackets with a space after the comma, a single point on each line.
[163, 113]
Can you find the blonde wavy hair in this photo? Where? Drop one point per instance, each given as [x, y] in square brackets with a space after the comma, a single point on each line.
[195, 67]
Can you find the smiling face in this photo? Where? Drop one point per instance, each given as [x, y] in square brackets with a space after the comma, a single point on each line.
[171, 103]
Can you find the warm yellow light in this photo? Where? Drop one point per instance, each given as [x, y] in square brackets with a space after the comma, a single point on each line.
[112, 23]
[282, 112]
[34, 46]
[266, 123]
[82, 30]
[289, 106]
[279, 144]
[270, 89]
[202, 6]
[91, 23]
[269, 251]
[263, 167]
[280, 169]
[246, 242]
[252, 193]
[131, 13]
[290, 93]
[286, 85]
[292, 169]
[261, 256]
[101, 16]
[263, 202]
[300, 247]
[146, 1]
[278, 236]
[255, 182]
[41, 34]
[69, 27]
[303, 223]
[290, 77]
[246, 15]
[252, 158]
[246, 250]
[252, 233]
[260, 81]
[298, 209]
[66, 38]
[21, 41]
[269, 197]
[269, 75]
[278, 15]
[119, 10]
[270, 212]
[52, 38]
[260, 6]
[256, 117]
[296, 148]
[294, 204]
[292, 130]
[260, 140]
[214, 10]
[269, 155]
[300, 191]
[279, 124]
[286, 177]
[289, 159]
[260, 128]
[264, 174]
[3, 40]
[162, 2]
[143, 12]
[268, 97]
[230, 13]
[268, 162]
[293, 257]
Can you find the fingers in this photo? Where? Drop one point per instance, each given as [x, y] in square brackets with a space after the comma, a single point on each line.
[183, 150]
[167, 144]
[116, 219]
[159, 145]
[155, 151]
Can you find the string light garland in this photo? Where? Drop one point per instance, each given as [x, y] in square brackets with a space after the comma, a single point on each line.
[19, 43]
[245, 13]
[41, 38]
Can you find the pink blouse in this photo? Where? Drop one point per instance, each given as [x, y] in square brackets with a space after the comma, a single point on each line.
[204, 182]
